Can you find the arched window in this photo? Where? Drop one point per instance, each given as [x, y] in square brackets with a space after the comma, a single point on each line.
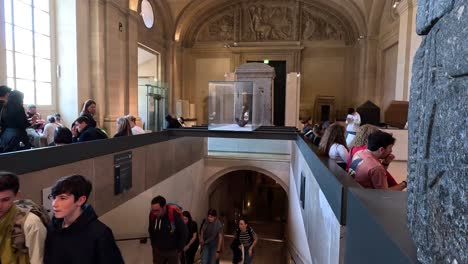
[28, 49]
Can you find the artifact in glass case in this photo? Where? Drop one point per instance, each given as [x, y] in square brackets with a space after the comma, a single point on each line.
[231, 107]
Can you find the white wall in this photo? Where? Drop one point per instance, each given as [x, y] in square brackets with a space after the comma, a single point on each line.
[322, 228]
[66, 48]
[184, 188]
[296, 229]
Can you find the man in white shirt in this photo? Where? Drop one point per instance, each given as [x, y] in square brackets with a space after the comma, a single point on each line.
[136, 130]
[26, 230]
[353, 121]
[49, 129]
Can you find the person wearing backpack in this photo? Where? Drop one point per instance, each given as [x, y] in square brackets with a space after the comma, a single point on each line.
[22, 225]
[248, 239]
[167, 231]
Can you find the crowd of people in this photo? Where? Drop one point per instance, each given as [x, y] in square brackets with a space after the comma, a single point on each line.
[22, 129]
[365, 152]
[75, 235]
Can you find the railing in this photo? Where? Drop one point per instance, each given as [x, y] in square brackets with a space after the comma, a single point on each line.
[376, 228]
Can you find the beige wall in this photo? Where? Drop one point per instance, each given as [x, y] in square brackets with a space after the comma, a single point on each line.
[206, 70]
[183, 188]
[389, 72]
[323, 76]
[149, 168]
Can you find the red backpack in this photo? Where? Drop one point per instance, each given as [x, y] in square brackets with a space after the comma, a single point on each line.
[172, 209]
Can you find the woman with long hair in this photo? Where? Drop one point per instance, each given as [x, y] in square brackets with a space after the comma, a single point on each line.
[89, 110]
[123, 127]
[248, 239]
[191, 246]
[333, 143]
[13, 123]
[360, 143]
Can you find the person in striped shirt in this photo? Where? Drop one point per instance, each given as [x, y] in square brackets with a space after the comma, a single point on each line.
[248, 239]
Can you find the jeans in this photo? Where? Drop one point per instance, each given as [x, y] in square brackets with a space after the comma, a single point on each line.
[247, 257]
[209, 254]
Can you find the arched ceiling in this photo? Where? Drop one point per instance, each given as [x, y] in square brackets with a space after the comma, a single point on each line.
[346, 19]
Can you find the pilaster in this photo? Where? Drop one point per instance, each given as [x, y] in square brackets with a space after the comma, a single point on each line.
[408, 42]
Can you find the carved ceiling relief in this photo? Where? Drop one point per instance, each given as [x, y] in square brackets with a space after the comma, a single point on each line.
[315, 27]
[221, 29]
[259, 21]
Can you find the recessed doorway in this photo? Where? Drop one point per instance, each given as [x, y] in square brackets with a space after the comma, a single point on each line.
[152, 93]
[279, 92]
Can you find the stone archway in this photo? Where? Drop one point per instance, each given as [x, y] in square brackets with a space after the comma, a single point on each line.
[283, 181]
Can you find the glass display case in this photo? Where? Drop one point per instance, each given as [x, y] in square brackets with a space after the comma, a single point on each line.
[152, 104]
[231, 106]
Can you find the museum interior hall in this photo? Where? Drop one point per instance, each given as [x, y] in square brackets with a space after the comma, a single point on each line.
[233, 106]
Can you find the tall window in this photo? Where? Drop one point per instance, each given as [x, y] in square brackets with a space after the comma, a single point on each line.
[28, 49]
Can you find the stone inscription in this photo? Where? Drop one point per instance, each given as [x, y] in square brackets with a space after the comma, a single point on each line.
[438, 134]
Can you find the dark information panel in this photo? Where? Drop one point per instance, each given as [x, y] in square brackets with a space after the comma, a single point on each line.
[122, 172]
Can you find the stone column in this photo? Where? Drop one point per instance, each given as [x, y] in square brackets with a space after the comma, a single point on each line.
[97, 61]
[132, 65]
[367, 70]
[415, 42]
[117, 46]
[175, 74]
[407, 44]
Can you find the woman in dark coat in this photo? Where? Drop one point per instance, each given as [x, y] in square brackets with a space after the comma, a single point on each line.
[13, 122]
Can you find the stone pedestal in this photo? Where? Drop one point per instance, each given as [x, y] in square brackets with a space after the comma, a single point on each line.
[262, 77]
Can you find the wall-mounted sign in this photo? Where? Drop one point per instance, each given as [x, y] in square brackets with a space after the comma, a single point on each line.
[122, 172]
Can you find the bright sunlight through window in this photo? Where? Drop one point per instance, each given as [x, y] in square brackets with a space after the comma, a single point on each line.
[28, 45]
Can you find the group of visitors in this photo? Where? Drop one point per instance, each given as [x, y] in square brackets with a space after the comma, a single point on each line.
[75, 235]
[24, 129]
[365, 152]
[175, 236]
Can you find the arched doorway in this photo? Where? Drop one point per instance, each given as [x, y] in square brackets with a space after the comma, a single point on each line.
[262, 201]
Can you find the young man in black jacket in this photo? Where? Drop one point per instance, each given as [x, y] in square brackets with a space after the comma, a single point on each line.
[167, 231]
[75, 235]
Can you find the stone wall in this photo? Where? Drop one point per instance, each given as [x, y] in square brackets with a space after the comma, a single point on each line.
[438, 142]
